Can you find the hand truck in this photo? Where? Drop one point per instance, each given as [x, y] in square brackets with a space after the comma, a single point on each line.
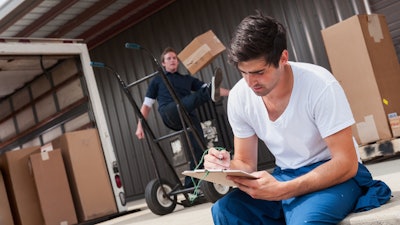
[161, 195]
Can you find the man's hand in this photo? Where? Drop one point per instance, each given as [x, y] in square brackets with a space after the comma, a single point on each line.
[145, 110]
[217, 159]
[264, 187]
[139, 131]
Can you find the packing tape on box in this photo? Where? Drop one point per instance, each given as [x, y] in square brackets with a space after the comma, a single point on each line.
[198, 54]
[367, 131]
[374, 28]
[45, 156]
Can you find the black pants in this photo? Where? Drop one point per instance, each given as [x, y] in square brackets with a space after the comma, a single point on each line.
[171, 119]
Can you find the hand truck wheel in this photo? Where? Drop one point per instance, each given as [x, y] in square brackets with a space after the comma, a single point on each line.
[156, 200]
[212, 192]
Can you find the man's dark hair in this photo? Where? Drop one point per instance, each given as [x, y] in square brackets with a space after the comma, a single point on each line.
[258, 36]
[166, 50]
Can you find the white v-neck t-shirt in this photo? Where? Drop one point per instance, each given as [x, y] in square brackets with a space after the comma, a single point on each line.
[317, 109]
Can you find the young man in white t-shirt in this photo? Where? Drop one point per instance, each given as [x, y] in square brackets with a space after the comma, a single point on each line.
[301, 113]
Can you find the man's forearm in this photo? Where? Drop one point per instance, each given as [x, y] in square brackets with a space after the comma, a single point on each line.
[331, 173]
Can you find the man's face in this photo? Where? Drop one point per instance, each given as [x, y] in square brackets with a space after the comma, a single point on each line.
[260, 77]
[170, 62]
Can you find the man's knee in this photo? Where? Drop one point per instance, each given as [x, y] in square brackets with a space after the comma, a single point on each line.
[239, 208]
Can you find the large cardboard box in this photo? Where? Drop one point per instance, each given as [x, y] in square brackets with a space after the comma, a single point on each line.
[53, 188]
[87, 173]
[5, 211]
[363, 58]
[201, 51]
[20, 186]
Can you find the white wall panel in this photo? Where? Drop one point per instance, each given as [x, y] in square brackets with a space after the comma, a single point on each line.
[7, 129]
[40, 86]
[31, 143]
[52, 134]
[25, 119]
[77, 122]
[21, 98]
[64, 71]
[5, 109]
[45, 108]
[70, 94]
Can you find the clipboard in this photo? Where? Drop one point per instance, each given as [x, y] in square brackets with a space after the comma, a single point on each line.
[217, 176]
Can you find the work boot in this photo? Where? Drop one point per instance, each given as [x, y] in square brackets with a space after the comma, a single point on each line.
[215, 85]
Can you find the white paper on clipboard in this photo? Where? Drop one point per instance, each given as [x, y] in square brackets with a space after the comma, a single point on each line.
[217, 176]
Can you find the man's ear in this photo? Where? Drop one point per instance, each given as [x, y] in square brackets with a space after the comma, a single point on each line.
[285, 56]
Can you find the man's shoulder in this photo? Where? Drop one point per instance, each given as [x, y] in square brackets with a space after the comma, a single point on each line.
[312, 73]
[240, 86]
[241, 92]
[155, 80]
[180, 76]
[308, 67]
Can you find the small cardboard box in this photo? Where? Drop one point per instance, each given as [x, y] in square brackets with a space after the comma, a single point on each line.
[394, 121]
[201, 51]
[53, 188]
[20, 185]
[87, 174]
[363, 59]
[5, 211]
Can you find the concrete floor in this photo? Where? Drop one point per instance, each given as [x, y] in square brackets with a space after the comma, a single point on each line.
[388, 171]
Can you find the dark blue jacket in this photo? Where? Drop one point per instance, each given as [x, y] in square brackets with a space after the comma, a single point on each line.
[182, 84]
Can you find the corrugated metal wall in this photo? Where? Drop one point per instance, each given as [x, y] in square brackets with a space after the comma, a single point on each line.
[176, 26]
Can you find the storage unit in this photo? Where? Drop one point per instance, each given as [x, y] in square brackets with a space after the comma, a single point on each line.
[53, 188]
[58, 94]
[20, 186]
[363, 59]
[87, 174]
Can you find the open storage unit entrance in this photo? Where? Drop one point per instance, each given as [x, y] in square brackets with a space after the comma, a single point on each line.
[48, 90]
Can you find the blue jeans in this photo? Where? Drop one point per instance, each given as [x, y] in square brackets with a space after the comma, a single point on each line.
[171, 119]
[328, 206]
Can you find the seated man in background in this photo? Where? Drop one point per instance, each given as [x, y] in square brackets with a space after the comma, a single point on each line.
[192, 93]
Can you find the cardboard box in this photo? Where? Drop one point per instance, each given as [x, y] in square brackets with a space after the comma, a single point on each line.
[20, 185]
[5, 211]
[363, 59]
[87, 173]
[394, 121]
[53, 188]
[201, 51]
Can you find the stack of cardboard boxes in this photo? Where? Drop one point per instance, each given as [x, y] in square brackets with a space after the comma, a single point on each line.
[66, 183]
[363, 59]
[20, 186]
